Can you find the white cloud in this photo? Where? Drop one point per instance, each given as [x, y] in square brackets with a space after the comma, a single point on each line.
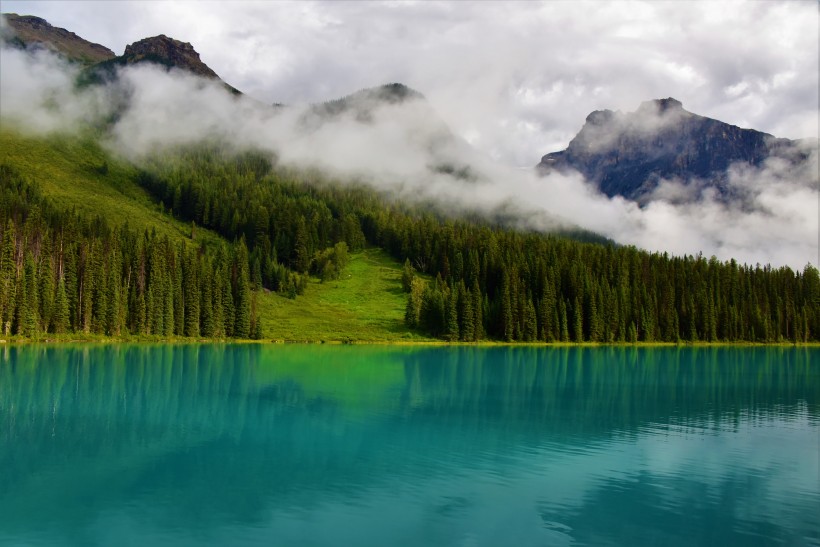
[472, 60]
[778, 223]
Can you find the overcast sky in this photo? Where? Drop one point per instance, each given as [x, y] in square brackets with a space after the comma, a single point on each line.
[515, 79]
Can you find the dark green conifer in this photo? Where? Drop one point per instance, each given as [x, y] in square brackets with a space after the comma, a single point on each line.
[453, 333]
[242, 322]
[60, 322]
[30, 315]
[190, 288]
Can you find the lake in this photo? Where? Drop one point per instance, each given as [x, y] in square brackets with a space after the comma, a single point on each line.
[383, 446]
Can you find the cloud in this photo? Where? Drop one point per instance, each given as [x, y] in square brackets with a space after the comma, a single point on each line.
[405, 149]
[36, 90]
[516, 78]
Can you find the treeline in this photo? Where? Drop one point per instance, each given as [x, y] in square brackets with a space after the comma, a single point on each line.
[64, 273]
[291, 230]
[483, 280]
[525, 287]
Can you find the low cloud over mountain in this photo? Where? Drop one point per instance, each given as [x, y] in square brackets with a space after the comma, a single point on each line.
[404, 147]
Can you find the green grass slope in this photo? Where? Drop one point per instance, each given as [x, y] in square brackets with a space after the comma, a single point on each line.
[365, 305]
[76, 172]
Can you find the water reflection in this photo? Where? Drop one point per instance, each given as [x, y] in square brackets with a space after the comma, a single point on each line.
[186, 444]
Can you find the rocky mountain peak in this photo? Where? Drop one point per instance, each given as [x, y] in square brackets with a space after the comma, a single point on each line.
[659, 106]
[30, 32]
[600, 117]
[630, 154]
[169, 52]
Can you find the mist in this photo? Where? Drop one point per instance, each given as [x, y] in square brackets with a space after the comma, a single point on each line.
[407, 150]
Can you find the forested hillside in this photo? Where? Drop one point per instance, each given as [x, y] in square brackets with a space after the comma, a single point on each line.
[466, 279]
[63, 272]
[488, 281]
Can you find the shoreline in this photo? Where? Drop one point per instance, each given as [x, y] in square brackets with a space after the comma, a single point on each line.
[13, 341]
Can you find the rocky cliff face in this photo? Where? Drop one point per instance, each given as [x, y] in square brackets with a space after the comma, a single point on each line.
[629, 154]
[168, 52]
[158, 50]
[31, 32]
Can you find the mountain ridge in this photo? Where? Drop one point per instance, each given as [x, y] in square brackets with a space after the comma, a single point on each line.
[31, 32]
[630, 154]
[168, 51]
[162, 51]
[282, 232]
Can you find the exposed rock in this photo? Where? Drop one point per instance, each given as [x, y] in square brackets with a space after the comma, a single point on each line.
[629, 154]
[168, 52]
[32, 32]
[159, 50]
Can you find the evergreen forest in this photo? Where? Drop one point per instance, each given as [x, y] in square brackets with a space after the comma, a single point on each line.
[465, 278]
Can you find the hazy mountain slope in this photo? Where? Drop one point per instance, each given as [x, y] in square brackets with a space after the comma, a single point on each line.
[366, 304]
[398, 111]
[630, 154]
[31, 32]
[75, 172]
[362, 102]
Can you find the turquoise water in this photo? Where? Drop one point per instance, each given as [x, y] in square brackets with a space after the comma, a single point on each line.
[316, 445]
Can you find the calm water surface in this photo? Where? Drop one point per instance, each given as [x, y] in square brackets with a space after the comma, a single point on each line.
[311, 445]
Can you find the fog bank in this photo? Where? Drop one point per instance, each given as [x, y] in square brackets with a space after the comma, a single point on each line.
[406, 149]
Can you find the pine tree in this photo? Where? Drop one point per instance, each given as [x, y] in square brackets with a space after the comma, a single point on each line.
[168, 320]
[46, 292]
[465, 313]
[577, 321]
[633, 333]
[256, 322]
[99, 301]
[218, 317]
[113, 320]
[478, 315]
[407, 275]
[60, 322]
[563, 321]
[257, 333]
[507, 326]
[86, 299]
[412, 312]
[207, 308]
[8, 278]
[301, 252]
[452, 317]
[30, 313]
[228, 308]
[179, 293]
[242, 322]
[530, 322]
[190, 290]
[21, 311]
[593, 318]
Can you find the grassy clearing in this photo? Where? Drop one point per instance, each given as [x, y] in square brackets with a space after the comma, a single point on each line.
[366, 304]
[76, 172]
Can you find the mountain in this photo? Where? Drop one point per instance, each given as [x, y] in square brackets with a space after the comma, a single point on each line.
[29, 32]
[630, 154]
[364, 101]
[215, 239]
[408, 114]
[161, 51]
[165, 51]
